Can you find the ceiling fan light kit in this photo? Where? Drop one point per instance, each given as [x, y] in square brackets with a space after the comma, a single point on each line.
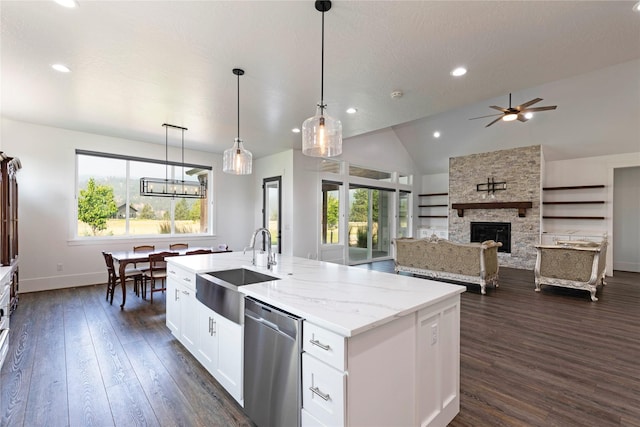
[237, 160]
[522, 112]
[322, 134]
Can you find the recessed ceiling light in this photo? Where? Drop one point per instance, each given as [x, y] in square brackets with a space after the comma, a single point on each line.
[436, 134]
[528, 115]
[67, 3]
[636, 7]
[352, 110]
[61, 67]
[295, 130]
[460, 71]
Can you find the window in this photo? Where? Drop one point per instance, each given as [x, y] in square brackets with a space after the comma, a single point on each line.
[109, 201]
[331, 212]
[404, 224]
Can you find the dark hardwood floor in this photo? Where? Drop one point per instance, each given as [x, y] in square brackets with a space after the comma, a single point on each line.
[527, 359]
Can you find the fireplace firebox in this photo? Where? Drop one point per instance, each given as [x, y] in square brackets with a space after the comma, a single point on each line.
[497, 231]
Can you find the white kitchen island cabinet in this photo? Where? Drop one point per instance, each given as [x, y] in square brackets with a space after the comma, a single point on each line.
[403, 373]
[378, 349]
[215, 341]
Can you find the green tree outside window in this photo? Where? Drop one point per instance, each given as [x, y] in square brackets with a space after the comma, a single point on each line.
[95, 205]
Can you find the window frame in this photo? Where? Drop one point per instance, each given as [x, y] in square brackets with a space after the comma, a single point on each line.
[134, 237]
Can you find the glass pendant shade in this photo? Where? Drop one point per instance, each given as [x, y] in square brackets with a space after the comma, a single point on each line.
[321, 135]
[237, 160]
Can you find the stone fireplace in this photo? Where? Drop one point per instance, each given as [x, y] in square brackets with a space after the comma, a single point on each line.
[520, 169]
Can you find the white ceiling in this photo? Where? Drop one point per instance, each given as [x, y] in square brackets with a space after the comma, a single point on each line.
[138, 64]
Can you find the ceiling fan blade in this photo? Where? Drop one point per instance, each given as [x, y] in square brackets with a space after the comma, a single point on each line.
[495, 107]
[522, 118]
[534, 109]
[484, 117]
[499, 118]
[526, 104]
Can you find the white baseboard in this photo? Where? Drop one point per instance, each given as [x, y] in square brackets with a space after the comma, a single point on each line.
[626, 266]
[61, 282]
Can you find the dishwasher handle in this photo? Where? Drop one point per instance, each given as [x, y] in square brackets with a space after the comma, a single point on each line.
[272, 317]
[261, 320]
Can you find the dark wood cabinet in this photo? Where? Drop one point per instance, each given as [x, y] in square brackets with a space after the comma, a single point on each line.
[9, 167]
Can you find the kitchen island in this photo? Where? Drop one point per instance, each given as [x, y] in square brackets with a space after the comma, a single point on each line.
[378, 348]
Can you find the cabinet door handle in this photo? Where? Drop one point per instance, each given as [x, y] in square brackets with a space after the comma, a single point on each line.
[213, 327]
[186, 292]
[186, 279]
[321, 395]
[317, 343]
[210, 325]
[177, 295]
[172, 272]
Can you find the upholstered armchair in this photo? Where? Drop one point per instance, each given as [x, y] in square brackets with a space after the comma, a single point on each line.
[572, 264]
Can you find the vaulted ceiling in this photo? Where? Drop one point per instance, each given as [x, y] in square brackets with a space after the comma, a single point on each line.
[138, 64]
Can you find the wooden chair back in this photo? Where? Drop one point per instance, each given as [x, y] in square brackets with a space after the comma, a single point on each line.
[176, 246]
[199, 251]
[144, 248]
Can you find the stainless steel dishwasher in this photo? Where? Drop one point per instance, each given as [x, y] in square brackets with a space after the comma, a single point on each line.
[272, 372]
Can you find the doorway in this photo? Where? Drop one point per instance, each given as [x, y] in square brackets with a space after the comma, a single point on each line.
[271, 212]
[626, 219]
[369, 229]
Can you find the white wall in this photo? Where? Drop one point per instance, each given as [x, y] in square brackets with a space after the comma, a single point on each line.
[626, 213]
[46, 203]
[381, 150]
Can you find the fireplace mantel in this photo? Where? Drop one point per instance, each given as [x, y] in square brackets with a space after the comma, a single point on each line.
[521, 206]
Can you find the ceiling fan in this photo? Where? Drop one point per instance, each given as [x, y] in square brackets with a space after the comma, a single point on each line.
[519, 112]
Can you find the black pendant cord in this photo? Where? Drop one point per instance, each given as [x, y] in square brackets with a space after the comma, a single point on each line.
[322, 70]
[238, 111]
[182, 156]
[166, 153]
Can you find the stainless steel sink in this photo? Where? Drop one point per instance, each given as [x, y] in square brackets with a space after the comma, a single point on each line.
[218, 290]
[241, 276]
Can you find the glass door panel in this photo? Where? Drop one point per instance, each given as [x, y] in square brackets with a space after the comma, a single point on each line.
[369, 228]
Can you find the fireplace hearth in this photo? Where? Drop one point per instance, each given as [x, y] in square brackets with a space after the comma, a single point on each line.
[497, 231]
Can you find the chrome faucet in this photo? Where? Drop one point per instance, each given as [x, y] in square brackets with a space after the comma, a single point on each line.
[271, 259]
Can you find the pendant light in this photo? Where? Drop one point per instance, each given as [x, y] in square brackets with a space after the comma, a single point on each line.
[237, 160]
[321, 134]
[166, 187]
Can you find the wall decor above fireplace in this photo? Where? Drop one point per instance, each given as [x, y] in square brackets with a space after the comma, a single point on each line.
[491, 186]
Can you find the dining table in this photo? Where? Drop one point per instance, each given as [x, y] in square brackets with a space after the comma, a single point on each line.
[123, 258]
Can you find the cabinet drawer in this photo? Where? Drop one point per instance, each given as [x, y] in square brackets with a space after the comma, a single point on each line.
[183, 276]
[325, 345]
[323, 391]
[308, 420]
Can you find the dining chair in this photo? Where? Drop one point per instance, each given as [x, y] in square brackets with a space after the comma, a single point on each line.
[112, 279]
[177, 246]
[199, 251]
[143, 266]
[157, 273]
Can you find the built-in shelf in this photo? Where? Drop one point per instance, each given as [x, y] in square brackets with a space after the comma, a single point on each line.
[520, 206]
[433, 213]
[574, 202]
[572, 187]
[581, 202]
[573, 217]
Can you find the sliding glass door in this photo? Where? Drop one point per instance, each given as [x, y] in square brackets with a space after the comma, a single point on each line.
[369, 230]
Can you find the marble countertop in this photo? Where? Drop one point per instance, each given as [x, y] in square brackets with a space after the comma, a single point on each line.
[346, 300]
